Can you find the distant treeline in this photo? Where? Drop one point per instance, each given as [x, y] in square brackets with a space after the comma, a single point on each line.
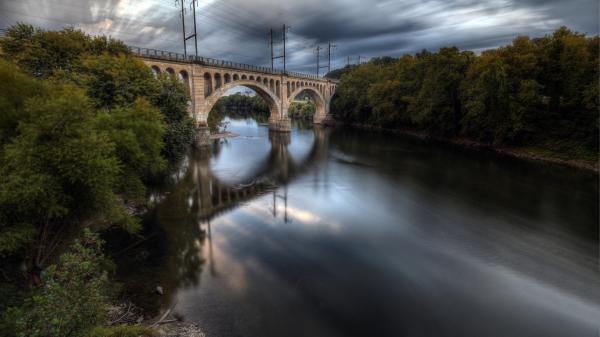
[540, 92]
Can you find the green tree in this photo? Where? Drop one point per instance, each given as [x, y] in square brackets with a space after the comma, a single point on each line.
[392, 94]
[352, 102]
[116, 80]
[173, 100]
[437, 106]
[137, 132]
[16, 88]
[58, 165]
[46, 53]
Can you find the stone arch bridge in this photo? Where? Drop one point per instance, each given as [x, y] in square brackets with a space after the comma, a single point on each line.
[209, 79]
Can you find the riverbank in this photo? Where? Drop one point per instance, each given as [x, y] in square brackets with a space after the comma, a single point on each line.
[526, 153]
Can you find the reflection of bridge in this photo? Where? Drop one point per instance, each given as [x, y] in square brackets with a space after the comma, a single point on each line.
[209, 79]
[211, 196]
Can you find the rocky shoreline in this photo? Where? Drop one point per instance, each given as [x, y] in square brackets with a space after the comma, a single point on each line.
[165, 325]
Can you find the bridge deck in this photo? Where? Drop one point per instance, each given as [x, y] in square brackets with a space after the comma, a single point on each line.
[176, 57]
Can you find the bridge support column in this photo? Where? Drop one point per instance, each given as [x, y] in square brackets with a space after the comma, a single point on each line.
[202, 136]
[281, 125]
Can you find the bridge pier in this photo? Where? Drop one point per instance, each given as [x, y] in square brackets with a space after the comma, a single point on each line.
[281, 125]
[202, 138]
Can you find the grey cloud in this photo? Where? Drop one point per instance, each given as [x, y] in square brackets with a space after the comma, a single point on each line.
[237, 29]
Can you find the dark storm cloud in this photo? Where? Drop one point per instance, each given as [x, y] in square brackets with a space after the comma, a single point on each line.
[237, 29]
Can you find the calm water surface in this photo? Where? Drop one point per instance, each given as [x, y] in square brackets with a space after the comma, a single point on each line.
[352, 233]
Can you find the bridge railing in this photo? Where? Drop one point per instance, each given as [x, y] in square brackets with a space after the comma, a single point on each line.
[170, 56]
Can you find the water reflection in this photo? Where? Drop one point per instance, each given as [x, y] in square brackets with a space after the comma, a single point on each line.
[364, 234]
[177, 239]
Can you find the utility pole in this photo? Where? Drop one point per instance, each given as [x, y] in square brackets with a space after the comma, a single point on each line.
[195, 32]
[318, 56]
[271, 40]
[319, 66]
[183, 28]
[273, 57]
[284, 34]
[194, 35]
[329, 56]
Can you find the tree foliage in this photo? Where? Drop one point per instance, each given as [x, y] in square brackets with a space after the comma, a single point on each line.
[533, 91]
[84, 128]
[302, 110]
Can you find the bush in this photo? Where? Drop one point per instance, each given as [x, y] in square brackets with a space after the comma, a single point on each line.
[74, 298]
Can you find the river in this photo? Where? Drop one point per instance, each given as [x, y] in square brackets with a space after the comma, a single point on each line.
[340, 232]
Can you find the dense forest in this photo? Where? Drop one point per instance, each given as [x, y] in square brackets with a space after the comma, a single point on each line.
[85, 128]
[536, 93]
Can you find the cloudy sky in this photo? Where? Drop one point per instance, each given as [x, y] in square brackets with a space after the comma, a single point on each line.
[237, 30]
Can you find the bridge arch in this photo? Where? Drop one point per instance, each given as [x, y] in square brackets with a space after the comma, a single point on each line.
[321, 103]
[207, 85]
[218, 82]
[236, 77]
[171, 72]
[227, 78]
[185, 79]
[263, 91]
[155, 70]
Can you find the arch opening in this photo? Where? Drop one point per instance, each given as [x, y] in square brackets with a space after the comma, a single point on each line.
[218, 82]
[307, 103]
[207, 84]
[170, 71]
[185, 79]
[155, 71]
[243, 99]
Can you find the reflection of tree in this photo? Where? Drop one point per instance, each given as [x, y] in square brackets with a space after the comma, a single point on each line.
[170, 255]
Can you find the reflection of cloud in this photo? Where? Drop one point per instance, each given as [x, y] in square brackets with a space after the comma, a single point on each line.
[262, 211]
[304, 216]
